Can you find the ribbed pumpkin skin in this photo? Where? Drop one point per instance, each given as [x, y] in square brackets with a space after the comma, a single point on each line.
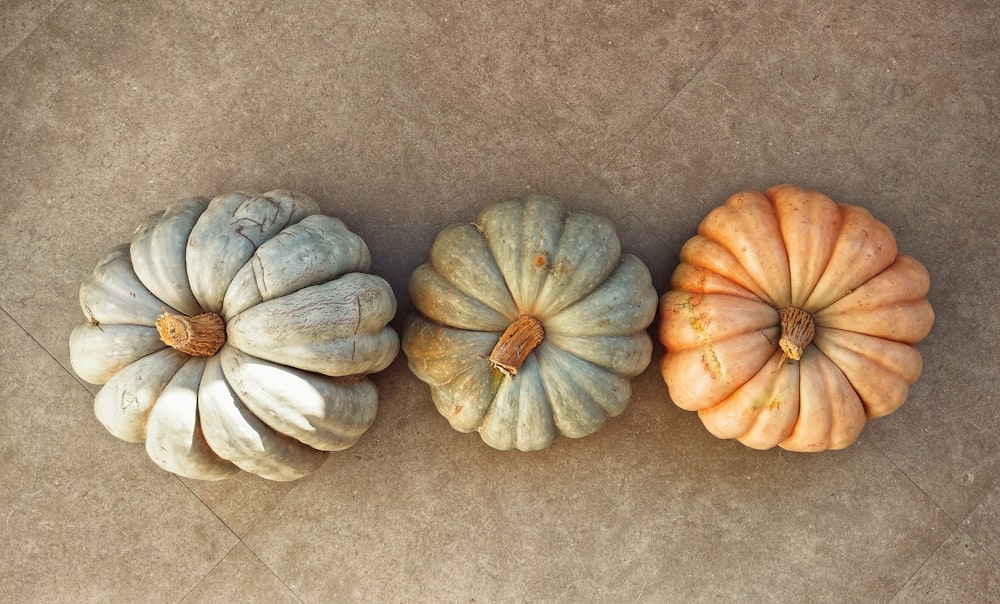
[304, 325]
[760, 253]
[528, 257]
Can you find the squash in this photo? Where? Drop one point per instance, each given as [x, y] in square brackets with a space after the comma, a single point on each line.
[531, 323]
[236, 334]
[792, 320]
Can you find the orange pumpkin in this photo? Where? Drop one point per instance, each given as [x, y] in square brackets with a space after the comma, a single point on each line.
[791, 320]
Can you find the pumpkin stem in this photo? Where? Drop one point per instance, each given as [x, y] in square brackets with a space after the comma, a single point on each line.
[516, 343]
[199, 336]
[797, 331]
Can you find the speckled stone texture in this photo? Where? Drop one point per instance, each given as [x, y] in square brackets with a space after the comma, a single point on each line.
[403, 116]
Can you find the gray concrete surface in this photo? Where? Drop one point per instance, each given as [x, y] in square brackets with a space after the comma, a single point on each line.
[403, 116]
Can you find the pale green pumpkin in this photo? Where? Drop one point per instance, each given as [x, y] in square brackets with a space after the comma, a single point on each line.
[531, 324]
[236, 334]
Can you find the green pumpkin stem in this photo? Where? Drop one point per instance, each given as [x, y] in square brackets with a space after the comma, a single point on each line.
[199, 336]
[516, 343]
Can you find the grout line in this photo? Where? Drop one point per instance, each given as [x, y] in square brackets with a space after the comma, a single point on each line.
[975, 507]
[524, 110]
[934, 552]
[223, 559]
[38, 26]
[955, 526]
[274, 574]
[71, 373]
[673, 98]
[210, 571]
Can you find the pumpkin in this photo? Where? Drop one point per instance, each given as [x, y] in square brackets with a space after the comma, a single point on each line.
[531, 323]
[236, 334]
[791, 320]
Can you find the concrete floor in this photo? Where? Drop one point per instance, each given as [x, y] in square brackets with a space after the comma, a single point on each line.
[403, 116]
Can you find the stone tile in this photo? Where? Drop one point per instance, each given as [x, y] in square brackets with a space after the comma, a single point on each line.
[240, 502]
[110, 112]
[86, 518]
[650, 508]
[960, 571]
[983, 524]
[856, 102]
[637, 235]
[593, 74]
[403, 117]
[240, 577]
[19, 18]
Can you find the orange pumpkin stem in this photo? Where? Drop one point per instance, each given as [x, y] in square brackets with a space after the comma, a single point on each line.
[516, 343]
[199, 336]
[797, 331]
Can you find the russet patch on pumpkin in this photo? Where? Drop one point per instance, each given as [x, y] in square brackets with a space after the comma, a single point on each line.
[531, 323]
[791, 319]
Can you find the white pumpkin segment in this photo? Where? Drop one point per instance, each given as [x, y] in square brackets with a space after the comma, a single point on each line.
[462, 257]
[158, 253]
[235, 434]
[439, 300]
[589, 251]
[329, 414]
[625, 303]
[228, 233]
[316, 249]
[519, 417]
[97, 352]
[336, 328]
[123, 404]
[114, 294]
[523, 238]
[174, 440]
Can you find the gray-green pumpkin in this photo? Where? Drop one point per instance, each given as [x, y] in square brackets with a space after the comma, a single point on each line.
[532, 323]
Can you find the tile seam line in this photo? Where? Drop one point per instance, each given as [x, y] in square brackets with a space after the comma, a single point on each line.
[680, 91]
[30, 34]
[194, 586]
[955, 525]
[655, 116]
[927, 560]
[46, 351]
[223, 559]
[524, 110]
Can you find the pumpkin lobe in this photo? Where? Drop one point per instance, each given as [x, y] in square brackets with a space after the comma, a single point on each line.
[797, 331]
[199, 336]
[521, 337]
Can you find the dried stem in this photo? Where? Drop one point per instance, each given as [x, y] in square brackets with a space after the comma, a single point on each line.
[797, 331]
[200, 336]
[516, 343]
